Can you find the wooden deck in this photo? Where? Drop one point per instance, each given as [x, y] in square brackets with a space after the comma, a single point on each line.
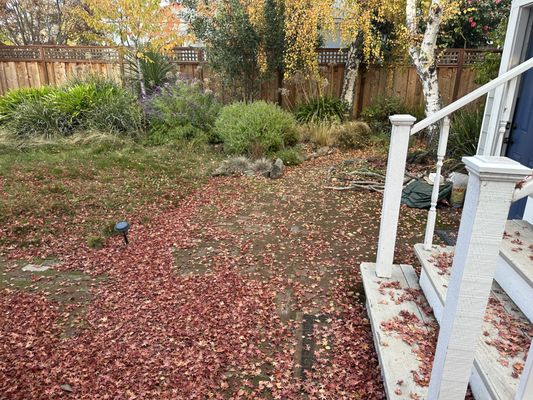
[495, 372]
[398, 359]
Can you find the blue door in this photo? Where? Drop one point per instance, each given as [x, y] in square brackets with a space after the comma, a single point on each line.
[520, 145]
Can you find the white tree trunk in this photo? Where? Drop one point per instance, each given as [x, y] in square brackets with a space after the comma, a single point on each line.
[140, 75]
[430, 88]
[424, 57]
[351, 74]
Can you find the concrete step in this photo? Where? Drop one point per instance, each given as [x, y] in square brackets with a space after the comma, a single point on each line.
[400, 361]
[515, 265]
[506, 332]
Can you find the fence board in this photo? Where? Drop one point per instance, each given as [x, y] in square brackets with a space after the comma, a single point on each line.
[34, 78]
[34, 66]
[11, 75]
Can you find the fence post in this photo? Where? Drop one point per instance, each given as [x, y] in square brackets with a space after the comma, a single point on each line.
[392, 195]
[43, 65]
[121, 67]
[490, 188]
[458, 74]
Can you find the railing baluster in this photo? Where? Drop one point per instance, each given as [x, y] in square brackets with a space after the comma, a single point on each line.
[441, 152]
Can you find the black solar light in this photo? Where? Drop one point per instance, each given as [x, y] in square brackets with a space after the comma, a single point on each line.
[123, 227]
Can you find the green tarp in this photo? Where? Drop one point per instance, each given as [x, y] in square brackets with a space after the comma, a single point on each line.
[418, 193]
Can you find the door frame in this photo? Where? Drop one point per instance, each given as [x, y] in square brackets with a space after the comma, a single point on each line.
[501, 102]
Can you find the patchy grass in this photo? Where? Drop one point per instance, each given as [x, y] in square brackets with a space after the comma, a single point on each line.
[214, 297]
[69, 290]
[74, 190]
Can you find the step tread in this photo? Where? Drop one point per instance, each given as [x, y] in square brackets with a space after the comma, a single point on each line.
[517, 248]
[396, 357]
[495, 368]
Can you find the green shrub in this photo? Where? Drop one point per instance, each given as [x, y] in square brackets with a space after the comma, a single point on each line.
[324, 108]
[464, 132]
[255, 129]
[352, 135]
[184, 107]
[290, 156]
[95, 103]
[378, 112]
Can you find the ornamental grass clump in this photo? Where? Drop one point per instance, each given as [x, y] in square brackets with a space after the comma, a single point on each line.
[352, 135]
[324, 108]
[93, 103]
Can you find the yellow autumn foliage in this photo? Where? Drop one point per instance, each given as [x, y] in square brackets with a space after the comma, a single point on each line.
[135, 23]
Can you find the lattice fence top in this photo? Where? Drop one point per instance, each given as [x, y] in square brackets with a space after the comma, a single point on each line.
[98, 54]
[332, 56]
[19, 53]
[194, 55]
[188, 55]
[466, 57]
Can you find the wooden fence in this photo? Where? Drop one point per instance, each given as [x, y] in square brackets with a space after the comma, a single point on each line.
[35, 66]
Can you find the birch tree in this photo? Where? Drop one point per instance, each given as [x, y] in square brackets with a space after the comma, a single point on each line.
[423, 30]
[304, 21]
[415, 27]
[368, 27]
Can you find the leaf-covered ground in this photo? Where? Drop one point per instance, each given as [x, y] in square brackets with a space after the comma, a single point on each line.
[246, 288]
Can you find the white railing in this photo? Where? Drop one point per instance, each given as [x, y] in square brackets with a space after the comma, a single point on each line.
[402, 127]
[523, 189]
[489, 194]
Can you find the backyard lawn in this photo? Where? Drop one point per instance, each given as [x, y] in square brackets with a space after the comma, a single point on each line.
[230, 287]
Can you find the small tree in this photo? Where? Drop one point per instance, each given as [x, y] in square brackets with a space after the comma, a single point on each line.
[244, 40]
[139, 25]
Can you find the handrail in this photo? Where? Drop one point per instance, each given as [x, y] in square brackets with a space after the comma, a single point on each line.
[524, 189]
[481, 91]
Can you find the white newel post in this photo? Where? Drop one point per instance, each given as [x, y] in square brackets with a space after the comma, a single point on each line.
[525, 389]
[392, 195]
[489, 192]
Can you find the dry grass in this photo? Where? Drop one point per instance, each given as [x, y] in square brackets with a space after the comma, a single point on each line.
[319, 133]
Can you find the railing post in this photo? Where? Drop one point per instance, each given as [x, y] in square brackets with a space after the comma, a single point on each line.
[392, 195]
[441, 152]
[525, 387]
[490, 189]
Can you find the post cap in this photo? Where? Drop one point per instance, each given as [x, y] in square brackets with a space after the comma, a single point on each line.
[496, 168]
[402, 119]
